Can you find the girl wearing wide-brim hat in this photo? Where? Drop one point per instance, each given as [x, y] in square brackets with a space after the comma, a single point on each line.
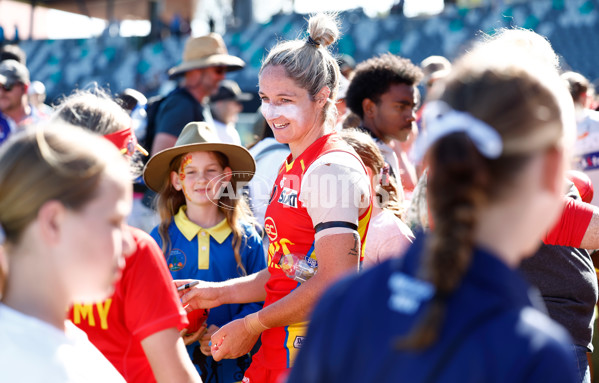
[206, 229]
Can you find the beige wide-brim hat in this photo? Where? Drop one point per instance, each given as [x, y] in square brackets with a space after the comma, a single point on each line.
[199, 137]
[206, 51]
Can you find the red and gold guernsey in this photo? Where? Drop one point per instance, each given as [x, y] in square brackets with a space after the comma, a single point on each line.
[290, 230]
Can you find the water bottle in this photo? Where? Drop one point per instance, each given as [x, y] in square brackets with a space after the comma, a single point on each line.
[297, 267]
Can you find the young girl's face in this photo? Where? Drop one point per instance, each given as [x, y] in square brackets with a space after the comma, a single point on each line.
[95, 242]
[201, 178]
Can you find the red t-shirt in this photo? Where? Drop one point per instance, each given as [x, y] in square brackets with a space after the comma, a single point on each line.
[572, 225]
[145, 302]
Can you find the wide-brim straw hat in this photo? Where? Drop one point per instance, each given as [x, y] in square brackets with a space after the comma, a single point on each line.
[199, 137]
[206, 51]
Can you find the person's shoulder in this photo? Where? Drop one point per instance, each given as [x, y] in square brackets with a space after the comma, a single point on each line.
[340, 162]
[528, 330]
[396, 223]
[179, 98]
[140, 236]
[387, 218]
[173, 233]
[377, 279]
[540, 329]
[541, 348]
[264, 144]
[339, 157]
[27, 341]
[154, 233]
[268, 147]
[143, 239]
[369, 281]
[85, 359]
[146, 246]
[249, 229]
[16, 366]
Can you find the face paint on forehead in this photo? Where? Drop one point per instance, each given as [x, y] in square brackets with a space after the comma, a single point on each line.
[186, 161]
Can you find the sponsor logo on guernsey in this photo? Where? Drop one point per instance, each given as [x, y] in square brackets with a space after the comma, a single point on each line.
[270, 228]
[176, 260]
[288, 197]
[297, 343]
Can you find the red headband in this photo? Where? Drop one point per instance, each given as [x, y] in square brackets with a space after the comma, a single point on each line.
[126, 141]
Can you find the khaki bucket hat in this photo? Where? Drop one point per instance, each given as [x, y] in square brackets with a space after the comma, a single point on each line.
[206, 51]
[199, 137]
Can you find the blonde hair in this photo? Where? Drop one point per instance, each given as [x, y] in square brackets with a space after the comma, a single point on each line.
[527, 41]
[309, 62]
[236, 210]
[56, 162]
[517, 100]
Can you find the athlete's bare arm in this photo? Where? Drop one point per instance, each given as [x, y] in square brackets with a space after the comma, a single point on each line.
[206, 295]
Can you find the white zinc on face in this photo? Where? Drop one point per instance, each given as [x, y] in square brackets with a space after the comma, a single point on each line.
[287, 112]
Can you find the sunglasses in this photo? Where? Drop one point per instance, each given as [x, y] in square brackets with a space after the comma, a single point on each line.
[220, 69]
[8, 88]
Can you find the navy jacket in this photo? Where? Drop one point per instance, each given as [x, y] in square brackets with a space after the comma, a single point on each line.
[492, 331]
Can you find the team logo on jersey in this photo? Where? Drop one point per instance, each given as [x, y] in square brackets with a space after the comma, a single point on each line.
[176, 260]
[297, 343]
[270, 228]
[288, 197]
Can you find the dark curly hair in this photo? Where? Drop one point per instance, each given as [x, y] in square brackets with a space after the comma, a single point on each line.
[375, 76]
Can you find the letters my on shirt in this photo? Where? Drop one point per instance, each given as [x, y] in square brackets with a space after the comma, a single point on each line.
[83, 312]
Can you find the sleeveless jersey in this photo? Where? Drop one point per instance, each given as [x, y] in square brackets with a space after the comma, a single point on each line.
[290, 230]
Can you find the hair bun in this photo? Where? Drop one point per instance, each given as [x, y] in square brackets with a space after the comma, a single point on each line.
[323, 29]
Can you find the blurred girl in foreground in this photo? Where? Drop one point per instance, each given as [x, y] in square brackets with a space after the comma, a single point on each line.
[454, 309]
[64, 197]
[137, 327]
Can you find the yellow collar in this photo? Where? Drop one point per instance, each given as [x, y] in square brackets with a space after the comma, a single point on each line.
[219, 232]
[289, 166]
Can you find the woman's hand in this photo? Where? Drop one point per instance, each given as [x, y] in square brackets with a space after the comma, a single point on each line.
[204, 295]
[233, 340]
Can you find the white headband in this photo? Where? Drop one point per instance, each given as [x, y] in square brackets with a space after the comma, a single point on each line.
[441, 120]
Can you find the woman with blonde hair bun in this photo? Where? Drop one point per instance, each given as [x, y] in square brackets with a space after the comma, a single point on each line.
[317, 216]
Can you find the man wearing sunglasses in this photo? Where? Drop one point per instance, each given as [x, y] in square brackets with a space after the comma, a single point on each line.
[15, 109]
[204, 65]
